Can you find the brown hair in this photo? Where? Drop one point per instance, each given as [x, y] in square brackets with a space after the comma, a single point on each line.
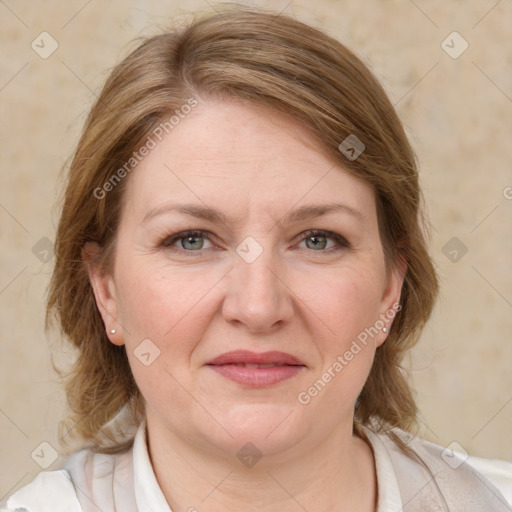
[270, 61]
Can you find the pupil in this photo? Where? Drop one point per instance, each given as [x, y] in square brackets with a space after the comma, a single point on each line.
[190, 240]
[317, 241]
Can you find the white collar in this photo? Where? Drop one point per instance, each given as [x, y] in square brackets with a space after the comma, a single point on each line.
[148, 494]
[389, 497]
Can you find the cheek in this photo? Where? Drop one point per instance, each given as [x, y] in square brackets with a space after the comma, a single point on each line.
[154, 301]
[348, 302]
[172, 308]
[347, 313]
[168, 308]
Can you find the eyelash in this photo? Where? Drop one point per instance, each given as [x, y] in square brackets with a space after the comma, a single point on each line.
[342, 243]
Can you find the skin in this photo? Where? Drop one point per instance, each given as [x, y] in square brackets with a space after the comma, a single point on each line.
[196, 302]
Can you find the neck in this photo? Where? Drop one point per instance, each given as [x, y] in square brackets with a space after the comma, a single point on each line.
[336, 474]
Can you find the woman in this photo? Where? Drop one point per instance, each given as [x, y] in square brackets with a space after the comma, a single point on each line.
[240, 263]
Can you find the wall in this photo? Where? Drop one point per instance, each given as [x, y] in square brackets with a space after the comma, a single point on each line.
[456, 108]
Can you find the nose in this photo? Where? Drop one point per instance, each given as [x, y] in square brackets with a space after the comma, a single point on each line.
[258, 296]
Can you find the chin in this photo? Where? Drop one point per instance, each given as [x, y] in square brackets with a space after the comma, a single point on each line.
[270, 428]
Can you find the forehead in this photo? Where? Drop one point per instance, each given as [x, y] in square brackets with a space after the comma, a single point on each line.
[229, 154]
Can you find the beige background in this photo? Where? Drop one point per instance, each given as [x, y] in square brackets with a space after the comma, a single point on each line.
[457, 111]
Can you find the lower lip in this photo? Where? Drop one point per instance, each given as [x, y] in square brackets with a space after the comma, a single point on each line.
[257, 377]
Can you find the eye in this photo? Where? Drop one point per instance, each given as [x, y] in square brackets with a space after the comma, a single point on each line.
[189, 241]
[315, 239]
[319, 240]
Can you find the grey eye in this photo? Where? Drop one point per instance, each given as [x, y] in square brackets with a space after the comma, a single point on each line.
[192, 242]
[189, 241]
[317, 242]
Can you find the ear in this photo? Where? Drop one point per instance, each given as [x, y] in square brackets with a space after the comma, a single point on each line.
[390, 302]
[104, 292]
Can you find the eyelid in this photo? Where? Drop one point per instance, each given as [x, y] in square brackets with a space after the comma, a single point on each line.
[171, 239]
[340, 239]
[341, 242]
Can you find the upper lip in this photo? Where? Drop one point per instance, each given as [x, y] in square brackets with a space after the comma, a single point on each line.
[248, 357]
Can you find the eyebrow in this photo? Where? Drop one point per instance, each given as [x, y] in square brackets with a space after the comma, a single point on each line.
[215, 216]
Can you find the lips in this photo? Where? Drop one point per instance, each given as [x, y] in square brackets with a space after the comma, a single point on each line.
[245, 358]
[254, 370]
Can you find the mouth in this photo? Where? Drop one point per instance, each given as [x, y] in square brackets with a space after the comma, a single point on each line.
[251, 365]
[254, 370]
[246, 357]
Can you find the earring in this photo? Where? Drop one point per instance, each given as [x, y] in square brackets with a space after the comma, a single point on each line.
[112, 331]
[384, 329]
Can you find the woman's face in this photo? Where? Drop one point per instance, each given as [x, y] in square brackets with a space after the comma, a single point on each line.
[252, 277]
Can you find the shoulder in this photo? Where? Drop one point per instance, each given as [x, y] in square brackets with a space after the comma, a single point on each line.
[499, 472]
[455, 477]
[50, 491]
[85, 477]
[496, 472]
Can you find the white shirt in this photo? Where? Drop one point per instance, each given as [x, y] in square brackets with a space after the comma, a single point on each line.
[127, 483]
